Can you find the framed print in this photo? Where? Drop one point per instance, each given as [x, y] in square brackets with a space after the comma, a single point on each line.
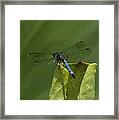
[59, 60]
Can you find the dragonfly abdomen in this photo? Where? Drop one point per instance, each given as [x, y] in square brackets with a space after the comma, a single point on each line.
[69, 69]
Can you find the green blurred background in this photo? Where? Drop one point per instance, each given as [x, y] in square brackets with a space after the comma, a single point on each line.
[52, 35]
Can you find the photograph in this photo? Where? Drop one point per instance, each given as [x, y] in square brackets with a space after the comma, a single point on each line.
[59, 60]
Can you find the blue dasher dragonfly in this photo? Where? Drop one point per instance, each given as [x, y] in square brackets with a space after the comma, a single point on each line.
[71, 54]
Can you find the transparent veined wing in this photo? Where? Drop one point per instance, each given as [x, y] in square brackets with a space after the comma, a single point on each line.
[77, 51]
[36, 57]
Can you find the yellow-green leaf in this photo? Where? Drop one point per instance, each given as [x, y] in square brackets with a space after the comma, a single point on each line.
[64, 86]
[87, 88]
[73, 85]
[58, 88]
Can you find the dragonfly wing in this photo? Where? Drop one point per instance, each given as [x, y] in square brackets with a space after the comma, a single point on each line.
[37, 57]
[78, 51]
[80, 45]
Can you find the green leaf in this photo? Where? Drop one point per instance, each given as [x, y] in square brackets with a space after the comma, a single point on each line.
[58, 89]
[73, 85]
[65, 87]
[87, 88]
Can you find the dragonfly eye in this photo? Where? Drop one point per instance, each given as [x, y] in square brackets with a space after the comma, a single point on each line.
[54, 54]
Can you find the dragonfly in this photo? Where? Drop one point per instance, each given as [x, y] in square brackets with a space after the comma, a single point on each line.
[70, 54]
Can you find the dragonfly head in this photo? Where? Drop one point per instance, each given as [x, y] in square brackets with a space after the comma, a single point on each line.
[59, 56]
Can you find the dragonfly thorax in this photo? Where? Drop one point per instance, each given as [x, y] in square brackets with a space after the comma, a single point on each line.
[59, 56]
